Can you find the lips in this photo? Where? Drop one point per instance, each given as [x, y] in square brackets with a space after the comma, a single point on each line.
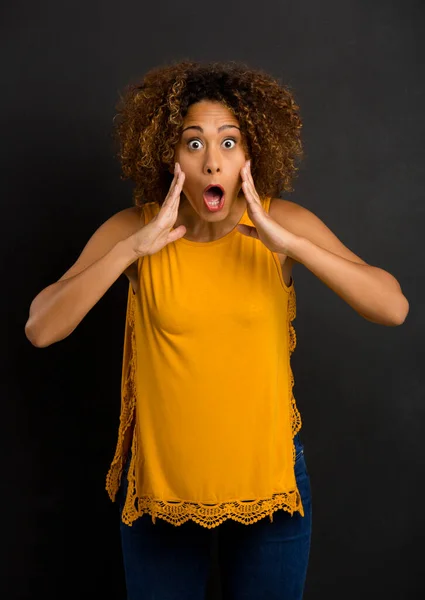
[214, 197]
[216, 185]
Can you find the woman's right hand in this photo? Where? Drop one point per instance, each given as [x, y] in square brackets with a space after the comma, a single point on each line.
[158, 232]
[58, 309]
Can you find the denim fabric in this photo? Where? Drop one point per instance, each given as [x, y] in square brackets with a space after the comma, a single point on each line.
[265, 560]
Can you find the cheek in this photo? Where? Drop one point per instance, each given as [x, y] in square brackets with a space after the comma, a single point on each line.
[185, 161]
[180, 155]
[241, 158]
[237, 167]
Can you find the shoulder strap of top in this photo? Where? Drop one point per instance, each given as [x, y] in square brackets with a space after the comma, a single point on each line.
[266, 203]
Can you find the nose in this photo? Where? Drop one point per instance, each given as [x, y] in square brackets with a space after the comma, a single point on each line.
[212, 163]
[211, 170]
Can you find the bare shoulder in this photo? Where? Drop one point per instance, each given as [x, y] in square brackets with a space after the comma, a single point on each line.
[287, 213]
[303, 222]
[115, 229]
[126, 221]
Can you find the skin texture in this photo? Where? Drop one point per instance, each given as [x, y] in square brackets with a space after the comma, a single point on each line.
[292, 232]
[207, 157]
[150, 117]
[214, 156]
[204, 157]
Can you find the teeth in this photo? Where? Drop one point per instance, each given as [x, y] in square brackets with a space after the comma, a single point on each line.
[214, 203]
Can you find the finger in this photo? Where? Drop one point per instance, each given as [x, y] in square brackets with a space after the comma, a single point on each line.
[246, 176]
[249, 172]
[178, 189]
[176, 234]
[174, 190]
[246, 190]
[251, 193]
[251, 181]
[179, 185]
[172, 185]
[247, 230]
[168, 199]
[169, 209]
[175, 178]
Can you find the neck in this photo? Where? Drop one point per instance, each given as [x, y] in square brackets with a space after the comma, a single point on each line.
[201, 230]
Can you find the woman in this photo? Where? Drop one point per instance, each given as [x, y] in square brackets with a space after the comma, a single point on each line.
[209, 428]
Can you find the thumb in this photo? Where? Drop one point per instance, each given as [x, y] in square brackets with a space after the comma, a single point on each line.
[248, 230]
[176, 234]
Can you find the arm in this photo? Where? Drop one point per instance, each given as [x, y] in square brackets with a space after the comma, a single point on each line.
[57, 310]
[372, 292]
[112, 249]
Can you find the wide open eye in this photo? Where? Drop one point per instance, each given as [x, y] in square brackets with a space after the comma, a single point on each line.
[227, 140]
[194, 142]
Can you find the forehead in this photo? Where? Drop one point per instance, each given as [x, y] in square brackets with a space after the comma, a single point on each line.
[211, 112]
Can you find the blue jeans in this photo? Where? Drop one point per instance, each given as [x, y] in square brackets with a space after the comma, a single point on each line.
[265, 560]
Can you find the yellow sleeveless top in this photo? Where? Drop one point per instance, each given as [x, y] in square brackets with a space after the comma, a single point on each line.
[207, 404]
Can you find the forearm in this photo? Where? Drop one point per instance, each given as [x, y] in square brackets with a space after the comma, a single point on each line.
[372, 292]
[57, 310]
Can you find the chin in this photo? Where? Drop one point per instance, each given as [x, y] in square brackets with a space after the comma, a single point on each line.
[218, 216]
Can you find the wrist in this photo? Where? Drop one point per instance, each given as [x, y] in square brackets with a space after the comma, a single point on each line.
[126, 253]
[297, 248]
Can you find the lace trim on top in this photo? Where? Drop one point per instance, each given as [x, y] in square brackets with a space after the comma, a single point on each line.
[113, 478]
[295, 415]
[177, 513]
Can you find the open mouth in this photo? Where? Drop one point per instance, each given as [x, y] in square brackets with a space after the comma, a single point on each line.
[214, 197]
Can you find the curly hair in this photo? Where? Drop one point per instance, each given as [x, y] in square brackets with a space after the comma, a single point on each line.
[150, 116]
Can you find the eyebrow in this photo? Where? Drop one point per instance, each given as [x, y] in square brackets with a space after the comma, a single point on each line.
[198, 128]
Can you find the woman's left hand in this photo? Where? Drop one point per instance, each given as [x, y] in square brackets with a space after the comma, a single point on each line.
[274, 236]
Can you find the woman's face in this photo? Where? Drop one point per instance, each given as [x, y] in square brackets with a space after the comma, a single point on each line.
[210, 151]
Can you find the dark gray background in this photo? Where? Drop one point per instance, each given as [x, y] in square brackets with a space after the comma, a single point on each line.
[357, 71]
